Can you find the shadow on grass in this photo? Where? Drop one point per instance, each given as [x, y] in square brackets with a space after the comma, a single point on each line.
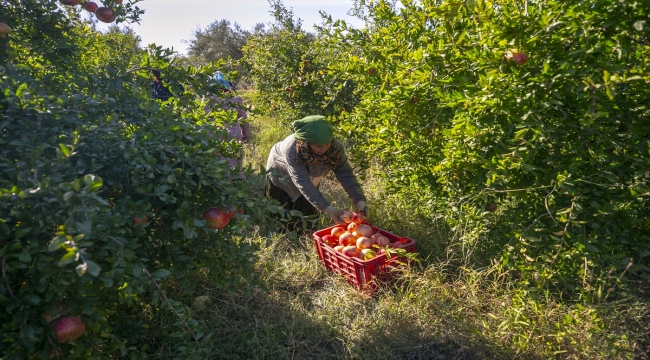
[270, 324]
[258, 327]
[301, 311]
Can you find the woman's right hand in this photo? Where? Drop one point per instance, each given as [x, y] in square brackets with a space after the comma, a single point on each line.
[334, 214]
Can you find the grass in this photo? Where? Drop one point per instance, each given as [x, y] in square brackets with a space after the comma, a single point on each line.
[435, 311]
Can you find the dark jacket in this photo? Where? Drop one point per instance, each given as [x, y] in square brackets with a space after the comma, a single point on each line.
[160, 91]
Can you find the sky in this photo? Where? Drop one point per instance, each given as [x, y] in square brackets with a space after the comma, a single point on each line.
[169, 22]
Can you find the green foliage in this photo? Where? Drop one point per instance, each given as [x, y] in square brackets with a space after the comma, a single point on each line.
[102, 188]
[289, 69]
[456, 121]
[559, 143]
[218, 41]
[434, 311]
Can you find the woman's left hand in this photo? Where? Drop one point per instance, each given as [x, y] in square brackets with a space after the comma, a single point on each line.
[335, 214]
[362, 207]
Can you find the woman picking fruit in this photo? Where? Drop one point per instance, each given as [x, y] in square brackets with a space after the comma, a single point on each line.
[239, 129]
[297, 164]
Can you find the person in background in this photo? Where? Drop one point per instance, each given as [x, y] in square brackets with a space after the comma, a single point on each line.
[158, 89]
[296, 166]
[238, 130]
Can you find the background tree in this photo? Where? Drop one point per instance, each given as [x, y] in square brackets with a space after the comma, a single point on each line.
[288, 66]
[218, 41]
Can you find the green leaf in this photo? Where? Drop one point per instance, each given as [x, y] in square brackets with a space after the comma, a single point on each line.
[97, 183]
[56, 243]
[25, 256]
[64, 149]
[137, 270]
[21, 233]
[161, 273]
[31, 299]
[4, 229]
[21, 89]
[93, 268]
[67, 196]
[69, 257]
[85, 228]
[108, 281]
[17, 265]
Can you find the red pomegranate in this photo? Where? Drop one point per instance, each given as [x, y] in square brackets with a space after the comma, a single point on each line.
[68, 328]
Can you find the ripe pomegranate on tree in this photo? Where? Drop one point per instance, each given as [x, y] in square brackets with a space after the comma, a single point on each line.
[68, 328]
[4, 29]
[140, 220]
[70, 2]
[91, 6]
[105, 14]
[216, 218]
[490, 207]
[520, 58]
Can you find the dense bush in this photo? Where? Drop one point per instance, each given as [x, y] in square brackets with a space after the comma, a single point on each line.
[536, 161]
[557, 145]
[102, 188]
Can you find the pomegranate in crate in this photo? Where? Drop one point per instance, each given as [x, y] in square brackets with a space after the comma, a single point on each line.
[372, 259]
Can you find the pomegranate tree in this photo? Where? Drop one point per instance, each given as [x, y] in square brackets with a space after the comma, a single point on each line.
[77, 244]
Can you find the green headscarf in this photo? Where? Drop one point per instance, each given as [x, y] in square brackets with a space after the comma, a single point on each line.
[313, 129]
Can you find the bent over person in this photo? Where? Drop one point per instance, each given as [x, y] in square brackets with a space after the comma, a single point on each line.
[239, 129]
[297, 165]
[158, 89]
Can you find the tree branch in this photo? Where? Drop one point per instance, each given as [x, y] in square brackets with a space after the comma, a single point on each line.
[4, 277]
[169, 302]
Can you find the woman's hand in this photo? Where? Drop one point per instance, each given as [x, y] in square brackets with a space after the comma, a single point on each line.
[335, 214]
[362, 207]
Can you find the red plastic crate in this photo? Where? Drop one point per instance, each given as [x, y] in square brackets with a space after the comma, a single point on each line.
[363, 274]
